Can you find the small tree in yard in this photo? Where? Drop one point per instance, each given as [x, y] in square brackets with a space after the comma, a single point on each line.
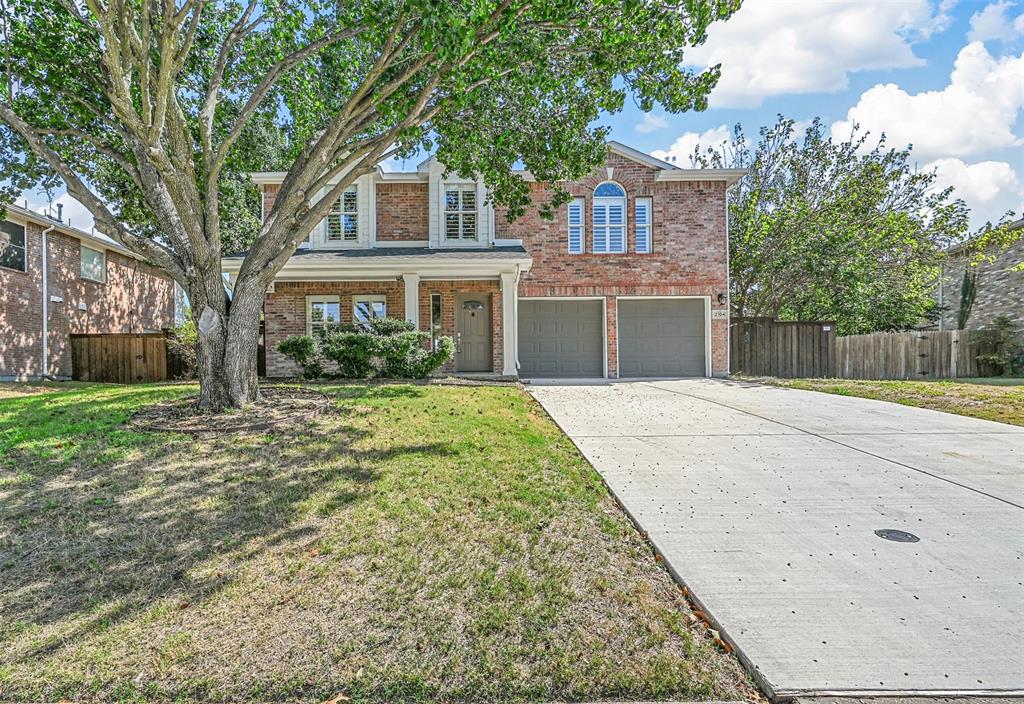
[824, 229]
[1002, 345]
[152, 111]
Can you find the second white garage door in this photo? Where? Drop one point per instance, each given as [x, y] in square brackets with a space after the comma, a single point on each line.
[662, 337]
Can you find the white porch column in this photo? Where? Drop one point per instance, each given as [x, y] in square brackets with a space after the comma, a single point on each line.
[412, 298]
[509, 324]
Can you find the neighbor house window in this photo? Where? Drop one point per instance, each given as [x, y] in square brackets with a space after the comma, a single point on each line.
[642, 213]
[12, 245]
[321, 313]
[343, 220]
[367, 308]
[576, 226]
[435, 319]
[460, 214]
[93, 265]
[609, 219]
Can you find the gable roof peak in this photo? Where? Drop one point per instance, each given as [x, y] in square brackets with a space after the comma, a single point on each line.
[624, 150]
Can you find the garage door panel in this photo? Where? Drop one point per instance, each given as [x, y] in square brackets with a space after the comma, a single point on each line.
[662, 337]
[561, 338]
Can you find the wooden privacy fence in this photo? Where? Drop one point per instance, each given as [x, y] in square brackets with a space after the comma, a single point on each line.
[946, 354]
[767, 347]
[118, 358]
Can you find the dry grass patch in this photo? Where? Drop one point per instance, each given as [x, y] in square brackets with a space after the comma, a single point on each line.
[1003, 402]
[414, 543]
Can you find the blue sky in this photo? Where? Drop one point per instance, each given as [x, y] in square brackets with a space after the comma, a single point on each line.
[945, 75]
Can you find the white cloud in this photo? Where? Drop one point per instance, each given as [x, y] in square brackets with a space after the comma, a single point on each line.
[981, 183]
[784, 47]
[681, 150]
[993, 23]
[990, 188]
[972, 115]
[74, 213]
[651, 123]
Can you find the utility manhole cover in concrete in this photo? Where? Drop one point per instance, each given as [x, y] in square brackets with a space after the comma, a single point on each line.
[899, 536]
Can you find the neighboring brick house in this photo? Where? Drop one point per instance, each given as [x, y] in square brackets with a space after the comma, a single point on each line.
[93, 285]
[630, 279]
[999, 286]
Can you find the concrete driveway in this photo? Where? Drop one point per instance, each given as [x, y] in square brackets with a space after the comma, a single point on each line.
[766, 503]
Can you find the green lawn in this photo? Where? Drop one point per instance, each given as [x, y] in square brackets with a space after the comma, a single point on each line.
[417, 543]
[1000, 399]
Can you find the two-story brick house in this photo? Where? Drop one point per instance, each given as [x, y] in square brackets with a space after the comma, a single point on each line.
[630, 279]
[86, 283]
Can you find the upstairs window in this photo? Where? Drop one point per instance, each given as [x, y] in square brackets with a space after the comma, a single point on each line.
[322, 312]
[343, 220]
[368, 308]
[576, 226]
[12, 245]
[460, 214]
[642, 224]
[93, 265]
[609, 219]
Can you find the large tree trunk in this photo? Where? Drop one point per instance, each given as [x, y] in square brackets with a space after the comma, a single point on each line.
[228, 340]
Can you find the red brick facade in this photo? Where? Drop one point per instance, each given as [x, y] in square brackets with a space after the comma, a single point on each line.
[689, 249]
[285, 311]
[689, 257]
[135, 298]
[402, 212]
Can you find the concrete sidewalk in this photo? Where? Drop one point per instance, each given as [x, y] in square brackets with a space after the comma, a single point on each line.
[766, 503]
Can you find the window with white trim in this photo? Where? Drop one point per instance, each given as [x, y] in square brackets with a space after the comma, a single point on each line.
[322, 312]
[93, 265]
[460, 214]
[12, 246]
[609, 219]
[577, 228]
[343, 220]
[366, 308]
[642, 225]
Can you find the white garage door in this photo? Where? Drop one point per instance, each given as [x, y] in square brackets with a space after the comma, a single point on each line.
[662, 337]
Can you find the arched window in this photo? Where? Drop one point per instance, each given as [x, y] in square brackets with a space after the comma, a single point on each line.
[609, 218]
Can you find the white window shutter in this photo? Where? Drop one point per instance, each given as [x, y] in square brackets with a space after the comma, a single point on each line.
[576, 226]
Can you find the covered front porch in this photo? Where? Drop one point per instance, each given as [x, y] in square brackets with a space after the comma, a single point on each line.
[468, 295]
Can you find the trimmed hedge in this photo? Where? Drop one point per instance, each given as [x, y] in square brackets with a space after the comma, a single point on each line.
[389, 349]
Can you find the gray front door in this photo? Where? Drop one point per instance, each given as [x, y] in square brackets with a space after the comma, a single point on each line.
[559, 339]
[663, 337]
[473, 332]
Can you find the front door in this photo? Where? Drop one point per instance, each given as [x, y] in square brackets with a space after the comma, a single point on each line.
[473, 332]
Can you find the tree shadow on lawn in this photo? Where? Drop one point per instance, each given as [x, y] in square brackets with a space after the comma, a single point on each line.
[99, 523]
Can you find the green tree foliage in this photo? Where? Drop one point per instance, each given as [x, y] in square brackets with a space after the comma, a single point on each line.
[1004, 349]
[151, 112]
[849, 231]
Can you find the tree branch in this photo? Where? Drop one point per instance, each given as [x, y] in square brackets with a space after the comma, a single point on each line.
[150, 249]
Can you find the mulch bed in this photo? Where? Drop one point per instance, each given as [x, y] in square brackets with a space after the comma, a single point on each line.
[278, 406]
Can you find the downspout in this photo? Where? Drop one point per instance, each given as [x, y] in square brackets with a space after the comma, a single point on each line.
[46, 309]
